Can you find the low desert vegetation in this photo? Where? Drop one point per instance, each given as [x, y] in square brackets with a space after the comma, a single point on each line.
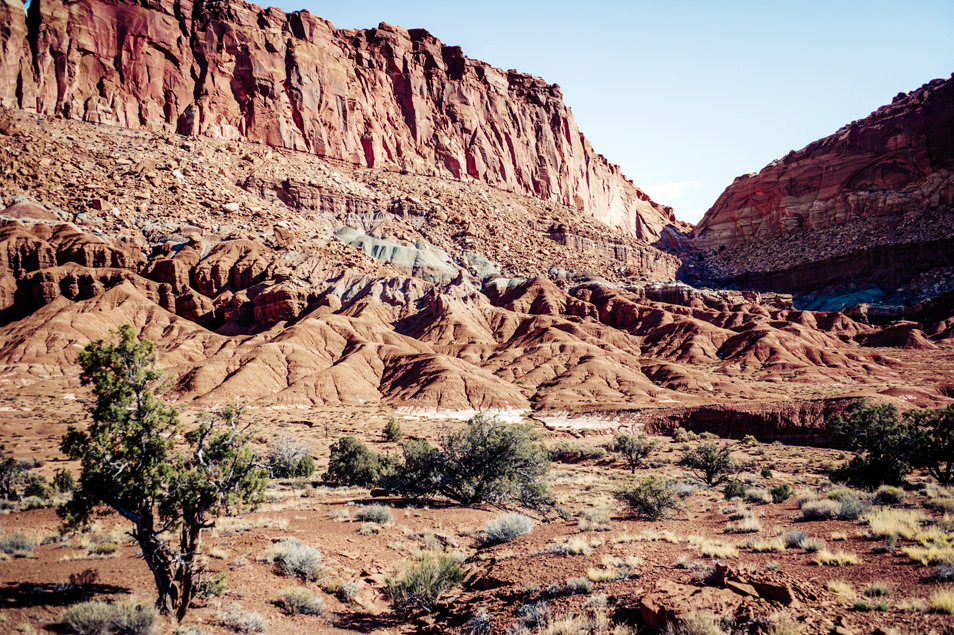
[380, 514]
[711, 462]
[293, 558]
[838, 558]
[299, 600]
[506, 528]
[234, 618]
[102, 618]
[632, 449]
[567, 451]
[889, 444]
[289, 458]
[421, 584]
[651, 497]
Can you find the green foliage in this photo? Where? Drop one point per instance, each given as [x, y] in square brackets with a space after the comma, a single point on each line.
[12, 475]
[632, 449]
[934, 442]
[781, 493]
[419, 472]
[485, 461]
[651, 497]
[488, 461]
[36, 486]
[734, 488]
[884, 445]
[392, 431]
[711, 461]
[212, 585]
[130, 464]
[100, 618]
[889, 495]
[63, 481]
[422, 584]
[352, 463]
[289, 459]
[566, 451]
[300, 600]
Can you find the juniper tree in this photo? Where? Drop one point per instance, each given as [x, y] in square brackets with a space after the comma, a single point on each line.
[136, 462]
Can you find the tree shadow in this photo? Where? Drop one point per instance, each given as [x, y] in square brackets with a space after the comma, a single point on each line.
[30, 594]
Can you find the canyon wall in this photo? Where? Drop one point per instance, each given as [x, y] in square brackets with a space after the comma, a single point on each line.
[387, 98]
[880, 185]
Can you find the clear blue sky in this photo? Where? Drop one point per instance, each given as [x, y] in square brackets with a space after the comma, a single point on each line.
[687, 95]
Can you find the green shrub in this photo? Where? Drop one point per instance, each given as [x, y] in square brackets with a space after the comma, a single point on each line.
[289, 459]
[100, 618]
[380, 514]
[63, 481]
[781, 493]
[36, 486]
[212, 585]
[884, 445]
[352, 463]
[734, 488]
[566, 451]
[889, 495]
[632, 449]
[578, 586]
[749, 440]
[294, 558]
[651, 497]
[766, 472]
[392, 431]
[711, 461]
[506, 528]
[485, 461]
[300, 600]
[489, 461]
[422, 584]
[12, 475]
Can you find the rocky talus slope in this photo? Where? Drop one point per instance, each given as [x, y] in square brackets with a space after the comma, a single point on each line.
[387, 98]
[280, 279]
[868, 209]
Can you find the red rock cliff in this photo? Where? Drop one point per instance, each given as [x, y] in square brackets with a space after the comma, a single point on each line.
[386, 98]
[898, 160]
[871, 205]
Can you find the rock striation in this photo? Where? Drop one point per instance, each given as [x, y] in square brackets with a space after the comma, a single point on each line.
[872, 204]
[386, 98]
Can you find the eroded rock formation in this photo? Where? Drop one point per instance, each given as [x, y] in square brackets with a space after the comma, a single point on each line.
[386, 98]
[869, 205]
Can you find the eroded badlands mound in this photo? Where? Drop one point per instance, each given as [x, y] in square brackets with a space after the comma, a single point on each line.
[302, 215]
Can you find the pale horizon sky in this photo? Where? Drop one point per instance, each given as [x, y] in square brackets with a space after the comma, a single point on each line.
[687, 95]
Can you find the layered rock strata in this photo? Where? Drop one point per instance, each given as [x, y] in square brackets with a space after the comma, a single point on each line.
[387, 98]
[872, 204]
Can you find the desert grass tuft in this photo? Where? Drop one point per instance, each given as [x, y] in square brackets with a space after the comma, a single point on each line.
[825, 558]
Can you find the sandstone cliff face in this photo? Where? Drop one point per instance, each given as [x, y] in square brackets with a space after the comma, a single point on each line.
[386, 98]
[876, 188]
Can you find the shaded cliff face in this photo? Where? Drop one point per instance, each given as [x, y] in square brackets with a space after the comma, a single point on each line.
[872, 192]
[386, 98]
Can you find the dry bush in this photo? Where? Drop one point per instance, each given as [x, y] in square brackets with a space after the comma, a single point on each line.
[506, 528]
[234, 618]
[300, 600]
[942, 601]
[101, 618]
[838, 558]
[887, 523]
[294, 558]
